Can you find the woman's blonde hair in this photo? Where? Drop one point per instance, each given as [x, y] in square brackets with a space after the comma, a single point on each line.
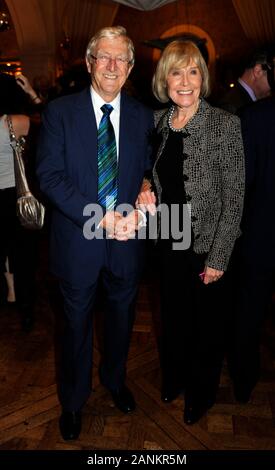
[176, 55]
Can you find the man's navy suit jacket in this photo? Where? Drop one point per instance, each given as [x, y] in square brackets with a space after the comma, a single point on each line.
[258, 225]
[67, 171]
[235, 100]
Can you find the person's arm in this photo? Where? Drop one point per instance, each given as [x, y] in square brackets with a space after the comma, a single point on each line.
[53, 177]
[24, 83]
[146, 200]
[232, 174]
[21, 125]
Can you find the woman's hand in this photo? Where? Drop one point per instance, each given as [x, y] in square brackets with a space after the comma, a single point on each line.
[146, 200]
[24, 83]
[211, 275]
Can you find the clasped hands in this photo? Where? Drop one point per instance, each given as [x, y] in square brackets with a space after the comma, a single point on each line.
[123, 228]
[119, 227]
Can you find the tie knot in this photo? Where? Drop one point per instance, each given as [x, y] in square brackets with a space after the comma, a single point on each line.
[107, 109]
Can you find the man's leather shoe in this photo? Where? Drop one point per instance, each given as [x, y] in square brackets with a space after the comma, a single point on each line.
[169, 394]
[70, 425]
[27, 323]
[124, 400]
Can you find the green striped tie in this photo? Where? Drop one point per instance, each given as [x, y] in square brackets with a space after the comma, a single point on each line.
[107, 160]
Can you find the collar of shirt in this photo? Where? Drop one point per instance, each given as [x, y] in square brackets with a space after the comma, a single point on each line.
[98, 101]
[248, 89]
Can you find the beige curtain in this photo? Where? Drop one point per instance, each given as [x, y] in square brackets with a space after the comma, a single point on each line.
[80, 19]
[257, 18]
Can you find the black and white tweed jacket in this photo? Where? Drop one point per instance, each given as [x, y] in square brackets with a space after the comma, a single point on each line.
[214, 167]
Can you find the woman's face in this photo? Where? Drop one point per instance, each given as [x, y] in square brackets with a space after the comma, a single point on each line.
[184, 85]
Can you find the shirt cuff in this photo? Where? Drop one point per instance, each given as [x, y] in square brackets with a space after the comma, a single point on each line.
[143, 220]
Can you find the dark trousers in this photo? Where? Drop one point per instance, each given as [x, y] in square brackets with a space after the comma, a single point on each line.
[20, 246]
[253, 292]
[76, 362]
[193, 325]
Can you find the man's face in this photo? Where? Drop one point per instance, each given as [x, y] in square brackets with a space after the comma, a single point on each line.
[110, 68]
[262, 86]
[271, 74]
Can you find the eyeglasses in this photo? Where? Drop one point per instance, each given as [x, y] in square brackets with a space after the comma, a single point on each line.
[266, 67]
[105, 59]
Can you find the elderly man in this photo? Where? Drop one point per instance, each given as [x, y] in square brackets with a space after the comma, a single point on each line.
[94, 149]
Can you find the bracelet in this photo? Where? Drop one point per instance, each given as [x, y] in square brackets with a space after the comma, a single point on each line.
[35, 98]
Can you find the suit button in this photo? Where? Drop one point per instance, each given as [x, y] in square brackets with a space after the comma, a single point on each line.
[185, 156]
[194, 218]
[185, 178]
[188, 197]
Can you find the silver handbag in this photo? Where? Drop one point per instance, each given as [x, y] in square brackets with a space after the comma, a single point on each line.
[29, 210]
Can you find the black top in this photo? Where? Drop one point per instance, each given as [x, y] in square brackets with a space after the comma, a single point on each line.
[170, 170]
[171, 177]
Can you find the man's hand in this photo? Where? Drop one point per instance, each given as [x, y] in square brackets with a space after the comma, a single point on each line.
[127, 226]
[119, 227]
[109, 222]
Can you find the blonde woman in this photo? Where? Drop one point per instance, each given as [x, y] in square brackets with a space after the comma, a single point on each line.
[199, 161]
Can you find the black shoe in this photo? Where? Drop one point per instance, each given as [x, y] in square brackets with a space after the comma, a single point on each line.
[242, 394]
[124, 400]
[193, 412]
[169, 394]
[27, 323]
[70, 425]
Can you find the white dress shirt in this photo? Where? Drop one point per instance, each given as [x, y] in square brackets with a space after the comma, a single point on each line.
[114, 116]
[248, 89]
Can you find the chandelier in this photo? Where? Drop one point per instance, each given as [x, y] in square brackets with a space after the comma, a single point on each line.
[4, 22]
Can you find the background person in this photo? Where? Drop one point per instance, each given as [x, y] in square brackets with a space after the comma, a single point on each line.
[17, 245]
[254, 278]
[255, 83]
